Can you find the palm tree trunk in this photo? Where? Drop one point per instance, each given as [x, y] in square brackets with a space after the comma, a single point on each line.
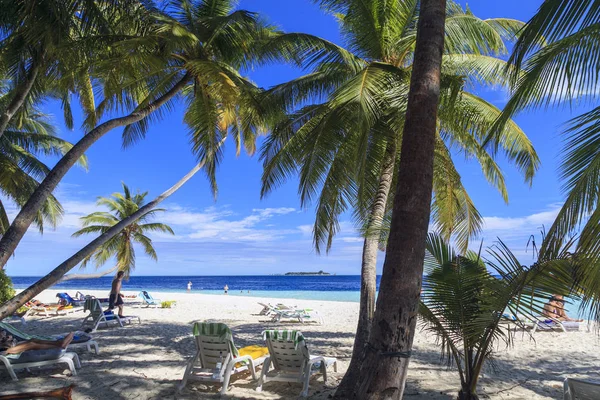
[383, 370]
[57, 273]
[368, 274]
[70, 277]
[21, 92]
[23, 220]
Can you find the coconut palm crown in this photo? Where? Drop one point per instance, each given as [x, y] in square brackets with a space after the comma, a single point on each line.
[121, 247]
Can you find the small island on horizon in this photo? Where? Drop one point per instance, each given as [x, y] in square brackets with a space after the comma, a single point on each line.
[320, 273]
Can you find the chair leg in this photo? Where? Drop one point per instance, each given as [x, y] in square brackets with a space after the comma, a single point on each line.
[187, 373]
[226, 378]
[306, 382]
[69, 362]
[324, 371]
[265, 369]
[9, 368]
[76, 360]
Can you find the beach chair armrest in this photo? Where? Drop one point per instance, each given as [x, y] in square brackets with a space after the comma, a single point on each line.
[314, 360]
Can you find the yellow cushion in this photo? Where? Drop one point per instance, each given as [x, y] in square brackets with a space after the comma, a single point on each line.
[253, 351]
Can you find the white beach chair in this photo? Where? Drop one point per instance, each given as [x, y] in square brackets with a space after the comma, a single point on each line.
[214, 344]
[302, 315]
[80, 339]
[267, 309]
[97, 316]
[12, 363]
[576, 389]
[290, 361]
[546, 324]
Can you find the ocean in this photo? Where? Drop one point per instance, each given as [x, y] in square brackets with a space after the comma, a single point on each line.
[330, 288]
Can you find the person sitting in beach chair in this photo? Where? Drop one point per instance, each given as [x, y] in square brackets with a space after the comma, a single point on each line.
[555, 309]
[35, 353]
[80, 339]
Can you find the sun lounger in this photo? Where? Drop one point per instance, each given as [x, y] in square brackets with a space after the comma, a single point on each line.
[576, 389]
[290, 361]
[554, 324]
[267, 309]
[97, 316]
[148, 300]
[69, 301]
[214, 344]
[302, 315]
[47, 310]
[80, 339]
[38, 358]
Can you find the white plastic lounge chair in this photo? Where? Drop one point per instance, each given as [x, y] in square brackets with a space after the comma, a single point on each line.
[552, 324]
[80, 339]
[12, 362]
[97, 316]
[302, 315]
[290, 361]
[576, 389]
[148, 300]
[214, 344]
[267, 309]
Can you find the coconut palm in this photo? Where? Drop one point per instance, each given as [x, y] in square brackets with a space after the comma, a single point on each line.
[558, 52]
[194, 48]
[122, 246]
[464, 301]
[346, 147]
[46, 42]
[27, 137]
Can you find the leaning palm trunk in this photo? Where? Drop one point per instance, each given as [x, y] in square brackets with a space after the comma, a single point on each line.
[383, 371]
[71, 277]
[55, 275]
[23, 220]
[21, 93]
[368, 274]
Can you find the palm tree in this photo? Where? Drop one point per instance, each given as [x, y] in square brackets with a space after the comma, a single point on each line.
[121, 247]
[463, 303]
[54, 276]
[195, 48]
[43, 45]
[27, 137]
[558, 52]
[347, 147]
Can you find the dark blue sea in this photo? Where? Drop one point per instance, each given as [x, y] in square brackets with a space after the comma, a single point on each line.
[332, 287]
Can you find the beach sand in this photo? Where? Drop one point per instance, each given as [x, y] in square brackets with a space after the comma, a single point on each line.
[147, 361]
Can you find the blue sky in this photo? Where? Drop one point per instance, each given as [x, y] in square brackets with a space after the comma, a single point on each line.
[241, 234]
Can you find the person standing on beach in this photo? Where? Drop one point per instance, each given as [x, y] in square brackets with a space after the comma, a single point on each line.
[226, 288]
[189, 286]
[116, 298]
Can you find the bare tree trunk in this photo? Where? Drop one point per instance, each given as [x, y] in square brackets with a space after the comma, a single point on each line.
[70, 277]
[10, 240]
[368, 274]
[21, 92]
[383, 367]
[56, 274]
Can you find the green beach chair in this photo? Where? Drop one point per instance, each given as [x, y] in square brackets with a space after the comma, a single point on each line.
[290, 361]
[214, 346]
[97, 316]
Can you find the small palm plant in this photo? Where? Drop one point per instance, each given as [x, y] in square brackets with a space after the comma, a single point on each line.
[465, 305]
[121, 246]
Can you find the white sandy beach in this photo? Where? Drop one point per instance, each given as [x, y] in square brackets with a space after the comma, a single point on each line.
[147, 361]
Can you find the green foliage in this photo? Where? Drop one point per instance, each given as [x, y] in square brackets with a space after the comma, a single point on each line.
[352, 126]
[464, 305]
[121, 246]
[167, 303]
[7, 291]
[557, 55]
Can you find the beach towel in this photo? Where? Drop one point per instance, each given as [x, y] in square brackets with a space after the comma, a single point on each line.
[216, 329]
[286, 335]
